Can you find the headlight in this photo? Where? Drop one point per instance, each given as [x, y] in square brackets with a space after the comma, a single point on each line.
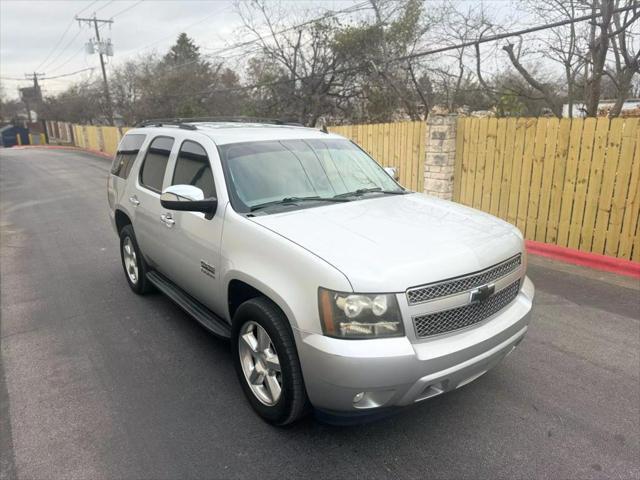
[356, 315]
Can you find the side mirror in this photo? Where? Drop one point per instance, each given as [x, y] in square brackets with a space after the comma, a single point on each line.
[187, 198]
[393, 172]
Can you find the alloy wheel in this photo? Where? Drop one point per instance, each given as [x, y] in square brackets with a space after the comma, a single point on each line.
[130, 260]
[260, 363]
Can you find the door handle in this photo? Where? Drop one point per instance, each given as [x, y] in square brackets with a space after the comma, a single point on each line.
[167, 219]
[134, 200]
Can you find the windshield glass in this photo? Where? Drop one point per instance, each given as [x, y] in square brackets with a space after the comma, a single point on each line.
[261, 172]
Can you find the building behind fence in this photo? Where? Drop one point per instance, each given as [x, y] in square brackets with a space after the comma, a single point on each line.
[568, 182]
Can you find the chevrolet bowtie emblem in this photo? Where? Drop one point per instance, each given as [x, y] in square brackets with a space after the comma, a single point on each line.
[482, 293]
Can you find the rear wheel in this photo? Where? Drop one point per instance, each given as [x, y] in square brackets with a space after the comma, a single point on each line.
[267, 362]
[135, 268]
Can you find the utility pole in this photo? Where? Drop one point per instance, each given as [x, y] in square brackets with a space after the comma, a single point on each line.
[31, 95]
[103, 48]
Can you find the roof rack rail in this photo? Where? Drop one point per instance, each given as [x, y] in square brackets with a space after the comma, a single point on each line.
[187, 122]
[160, 122]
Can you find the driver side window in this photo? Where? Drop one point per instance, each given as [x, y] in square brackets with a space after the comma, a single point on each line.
[193, 168]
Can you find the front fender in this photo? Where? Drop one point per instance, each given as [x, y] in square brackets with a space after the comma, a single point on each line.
[284, 271]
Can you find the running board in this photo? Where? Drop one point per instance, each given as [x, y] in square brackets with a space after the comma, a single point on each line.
[193, 307]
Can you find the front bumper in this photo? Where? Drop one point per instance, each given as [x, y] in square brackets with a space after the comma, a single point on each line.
[395, 372]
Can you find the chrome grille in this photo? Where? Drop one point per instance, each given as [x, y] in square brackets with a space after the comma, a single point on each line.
[461, 284]
[456, 318]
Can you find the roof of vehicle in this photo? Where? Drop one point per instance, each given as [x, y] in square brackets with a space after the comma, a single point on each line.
[236, 132]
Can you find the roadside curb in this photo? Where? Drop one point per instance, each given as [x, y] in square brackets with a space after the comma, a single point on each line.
[66, 147]
[585, 259]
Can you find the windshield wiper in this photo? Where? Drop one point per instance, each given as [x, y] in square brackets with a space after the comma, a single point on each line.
[362, 191]
[295, 200]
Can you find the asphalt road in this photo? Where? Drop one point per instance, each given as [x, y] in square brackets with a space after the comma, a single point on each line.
[96, 382]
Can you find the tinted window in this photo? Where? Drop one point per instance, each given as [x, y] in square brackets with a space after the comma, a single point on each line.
[193, 168]
[126, 154]
[155, 163]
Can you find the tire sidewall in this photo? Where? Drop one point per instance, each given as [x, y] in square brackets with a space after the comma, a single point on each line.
[250, 311]
[127, 232]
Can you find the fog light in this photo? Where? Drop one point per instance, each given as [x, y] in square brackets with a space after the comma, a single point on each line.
[358, 397]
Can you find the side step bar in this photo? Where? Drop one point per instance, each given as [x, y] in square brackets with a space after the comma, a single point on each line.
[193, 307]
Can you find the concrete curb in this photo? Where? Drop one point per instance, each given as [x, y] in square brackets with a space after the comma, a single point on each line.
[586, 259]
[67, 147]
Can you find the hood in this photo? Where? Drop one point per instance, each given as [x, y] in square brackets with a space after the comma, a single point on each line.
[390, 243]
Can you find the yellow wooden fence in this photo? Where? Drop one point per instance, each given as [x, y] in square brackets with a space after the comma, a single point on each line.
[100, 138]
[399, 144]
[569, 182]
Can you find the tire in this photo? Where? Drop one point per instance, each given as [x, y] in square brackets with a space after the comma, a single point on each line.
[138, 282]
[292, 402]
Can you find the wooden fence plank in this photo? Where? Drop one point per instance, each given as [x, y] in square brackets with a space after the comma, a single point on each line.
[386, 158]
[569, 187]
[512, 210]
[492, 127]
[632, 210]
[595, 183]
[608, 182]
[479, 170]
[498, 163]
[525, 174]
[582, 182]
[622, 186]
[559, 172]
[548, 163]
[505, 184]
[536, 178]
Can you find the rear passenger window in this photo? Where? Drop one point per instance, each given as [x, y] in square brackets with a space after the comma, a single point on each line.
[155, 163]
[126, 154]
[193, 168]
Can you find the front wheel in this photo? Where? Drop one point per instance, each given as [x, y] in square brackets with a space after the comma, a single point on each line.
[135, 268]
[267, 362]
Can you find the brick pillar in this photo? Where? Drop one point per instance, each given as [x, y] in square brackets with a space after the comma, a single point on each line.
[440, 155]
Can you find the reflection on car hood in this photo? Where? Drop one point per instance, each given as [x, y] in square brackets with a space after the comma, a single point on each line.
[390, 243]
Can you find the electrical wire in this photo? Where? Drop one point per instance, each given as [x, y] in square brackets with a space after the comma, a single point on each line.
[124, 10]
[66, 30]
[414, 55]
[68, 74]
[66, 47]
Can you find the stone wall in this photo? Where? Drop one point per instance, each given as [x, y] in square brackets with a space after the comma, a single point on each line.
[440, 155]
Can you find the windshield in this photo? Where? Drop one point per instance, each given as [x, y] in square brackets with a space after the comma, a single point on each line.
[262, 172]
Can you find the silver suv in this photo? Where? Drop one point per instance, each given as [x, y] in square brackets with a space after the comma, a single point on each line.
[338, 288]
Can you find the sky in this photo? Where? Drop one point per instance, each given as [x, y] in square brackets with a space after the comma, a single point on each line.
[43, 36]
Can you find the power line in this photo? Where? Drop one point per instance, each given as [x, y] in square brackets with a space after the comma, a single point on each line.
[56, 45]
[87, 7]
[328, 14]
[66, 47]
[516, 33]
[126, 9]
[68, 74]
[416, 54]
[104, 6]
[73, 55]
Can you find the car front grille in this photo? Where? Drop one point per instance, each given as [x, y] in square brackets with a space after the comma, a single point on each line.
[461, 284]
[461, 317]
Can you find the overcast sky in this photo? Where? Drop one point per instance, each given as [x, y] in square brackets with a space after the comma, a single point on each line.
[29, 31]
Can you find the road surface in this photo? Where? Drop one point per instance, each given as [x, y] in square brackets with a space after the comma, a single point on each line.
[96, 382]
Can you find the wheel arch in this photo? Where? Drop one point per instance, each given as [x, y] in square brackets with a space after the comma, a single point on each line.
[122, 220]
[241, 288]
